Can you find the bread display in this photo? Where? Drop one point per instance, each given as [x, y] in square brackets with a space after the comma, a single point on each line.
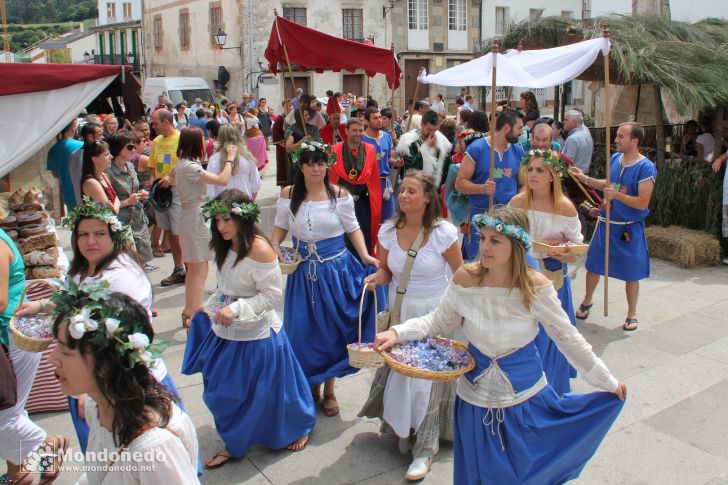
[39, 242]
[9, 223]
[46, 257]
[42, 272]
[29, 218]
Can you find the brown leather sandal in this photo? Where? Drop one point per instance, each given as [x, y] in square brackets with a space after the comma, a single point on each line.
[331, 410]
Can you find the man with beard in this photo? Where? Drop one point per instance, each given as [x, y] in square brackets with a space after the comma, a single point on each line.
[474, 176]
[426, 148]
[356, 170]
[382, 143]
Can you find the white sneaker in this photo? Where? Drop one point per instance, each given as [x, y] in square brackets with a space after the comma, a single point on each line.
[404, 445]
[418, 468]
[725, 261]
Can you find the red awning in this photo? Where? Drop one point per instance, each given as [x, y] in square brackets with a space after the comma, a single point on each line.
[309, 48]
[19, 78]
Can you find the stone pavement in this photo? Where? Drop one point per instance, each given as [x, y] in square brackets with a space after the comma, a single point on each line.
[672, 430]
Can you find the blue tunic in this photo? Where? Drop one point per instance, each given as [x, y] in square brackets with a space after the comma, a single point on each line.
[383, 149]
[506, 184]
[629, 258]
[545, 440]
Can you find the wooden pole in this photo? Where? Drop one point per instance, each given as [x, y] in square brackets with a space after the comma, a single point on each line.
[494, 51]
[412, 104]
[607, 150]
[583, 190]
[293, 91]
[659, 126]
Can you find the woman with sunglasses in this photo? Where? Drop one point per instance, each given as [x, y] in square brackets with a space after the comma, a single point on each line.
[124, 180]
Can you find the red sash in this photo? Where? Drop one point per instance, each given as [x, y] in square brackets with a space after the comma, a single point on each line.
[369, 176]
[327, 133]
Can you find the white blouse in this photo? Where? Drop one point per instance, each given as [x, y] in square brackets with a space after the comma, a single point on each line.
[127, 277]
[247, 179]
[251, 289]
[430, 272]
[166, 457]
[319, 219]
[554, 227]
[497, 322]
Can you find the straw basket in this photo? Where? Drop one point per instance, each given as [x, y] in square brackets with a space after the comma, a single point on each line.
[22, 341]
[288, 268]
[545, 247]
[212, 309]
[447, 376]
[364, 358]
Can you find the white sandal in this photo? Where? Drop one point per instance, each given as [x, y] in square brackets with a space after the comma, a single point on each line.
[418, 468]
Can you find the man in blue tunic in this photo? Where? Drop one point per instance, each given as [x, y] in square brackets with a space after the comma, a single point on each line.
[632, 182]
[475, 171]
[382, 143]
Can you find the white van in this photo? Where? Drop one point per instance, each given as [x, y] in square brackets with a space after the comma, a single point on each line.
[176, 90]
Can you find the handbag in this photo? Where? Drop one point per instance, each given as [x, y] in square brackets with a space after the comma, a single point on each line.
[8, 380]
[387, 318]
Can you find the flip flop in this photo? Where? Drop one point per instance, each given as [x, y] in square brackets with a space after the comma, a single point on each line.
[330, 411]
[630, 324]
[584, 310]
[219, 454]
[296, 443]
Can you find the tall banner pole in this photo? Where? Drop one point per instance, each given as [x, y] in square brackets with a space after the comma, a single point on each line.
[290, 74]
[607, 151]
[494, 51]
[414, 98]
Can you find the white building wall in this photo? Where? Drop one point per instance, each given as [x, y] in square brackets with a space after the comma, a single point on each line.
[520, 10]
[102, 7]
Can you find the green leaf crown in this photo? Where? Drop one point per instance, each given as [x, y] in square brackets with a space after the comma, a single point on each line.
[311, 145]
[484, 221]
[90, 209]
[550, 159]
[212, 208]
[106, 323]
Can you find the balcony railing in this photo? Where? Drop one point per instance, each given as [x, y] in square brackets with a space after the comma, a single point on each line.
[118, 59]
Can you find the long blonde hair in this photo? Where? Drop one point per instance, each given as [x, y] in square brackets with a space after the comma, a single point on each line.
[556, 190]
[521, 271]
[230, 135]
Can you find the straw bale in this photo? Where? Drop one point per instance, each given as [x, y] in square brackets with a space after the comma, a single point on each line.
[686, 248]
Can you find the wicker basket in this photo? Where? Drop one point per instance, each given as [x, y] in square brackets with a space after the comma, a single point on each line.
[545, 247]
[212, 309]
[364, 358]
[288, 268]
[22, 341]
[447, 376]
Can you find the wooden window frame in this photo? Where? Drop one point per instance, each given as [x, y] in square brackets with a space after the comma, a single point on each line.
[185, 29]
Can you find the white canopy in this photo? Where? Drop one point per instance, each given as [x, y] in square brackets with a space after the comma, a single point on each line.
[539, 68]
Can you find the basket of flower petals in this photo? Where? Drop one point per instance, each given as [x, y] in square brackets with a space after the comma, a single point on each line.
[560, 246]
[435, 359]
[291, 259]
[363, 355]
[33, 333]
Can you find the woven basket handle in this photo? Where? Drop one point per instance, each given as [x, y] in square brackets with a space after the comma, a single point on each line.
[361, 307]
[34, 283]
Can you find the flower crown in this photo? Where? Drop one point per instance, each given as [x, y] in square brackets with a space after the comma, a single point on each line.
[310, 145]
[212, 208]
[550, 159]
[104, 322]
[89, 208]
[484, 221]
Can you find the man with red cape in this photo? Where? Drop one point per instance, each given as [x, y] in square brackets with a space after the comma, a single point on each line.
[334, 132]
[357, 171]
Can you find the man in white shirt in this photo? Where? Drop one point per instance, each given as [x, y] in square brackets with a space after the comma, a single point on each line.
[579, 146]
[439, 105]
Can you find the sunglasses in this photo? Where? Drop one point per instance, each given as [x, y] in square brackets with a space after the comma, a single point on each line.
[130, 147]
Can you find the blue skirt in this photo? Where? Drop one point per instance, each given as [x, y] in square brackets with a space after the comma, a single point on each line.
[321, 311]
[629, 258]
[545, 440]
[387, 205]
[255, 389]
[557, 369]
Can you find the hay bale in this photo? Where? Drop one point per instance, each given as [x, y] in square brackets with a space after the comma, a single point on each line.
[686, 248]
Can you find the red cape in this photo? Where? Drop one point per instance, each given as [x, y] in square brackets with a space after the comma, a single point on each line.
[327, 133]
[369, 176]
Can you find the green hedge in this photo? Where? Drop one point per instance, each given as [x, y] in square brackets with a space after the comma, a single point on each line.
[687, 193]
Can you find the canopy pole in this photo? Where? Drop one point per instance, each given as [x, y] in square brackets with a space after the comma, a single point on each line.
[607, 150]
[414, 98]
[494, 51]
[293, 88]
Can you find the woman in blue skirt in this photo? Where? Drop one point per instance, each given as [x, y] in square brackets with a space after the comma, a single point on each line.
[321, 311]
[551, 217]
[510, 426]
[253, 384]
